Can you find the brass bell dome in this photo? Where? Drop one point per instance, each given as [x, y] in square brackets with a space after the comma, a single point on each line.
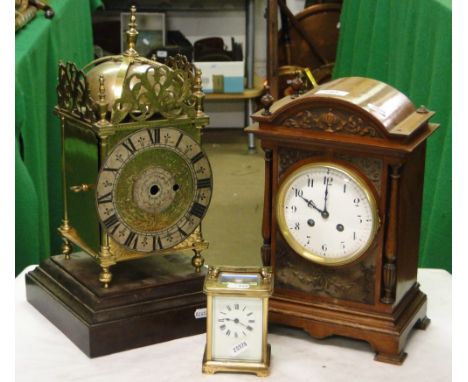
[116, 69]
[117, 88]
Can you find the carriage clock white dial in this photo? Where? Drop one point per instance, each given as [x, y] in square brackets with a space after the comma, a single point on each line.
[237, 328]
[327, 213]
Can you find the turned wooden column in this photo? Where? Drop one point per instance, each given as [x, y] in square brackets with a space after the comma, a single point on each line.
[267, 207]
[389, 268]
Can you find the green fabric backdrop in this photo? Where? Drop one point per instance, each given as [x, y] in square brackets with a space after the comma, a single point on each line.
[408, 44]
[38, 49]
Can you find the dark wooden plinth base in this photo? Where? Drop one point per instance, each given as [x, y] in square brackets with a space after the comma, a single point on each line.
[385, 332]
[149, 301]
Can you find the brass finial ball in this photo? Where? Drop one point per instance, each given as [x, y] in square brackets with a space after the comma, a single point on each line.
[197, 262]
[102, 89]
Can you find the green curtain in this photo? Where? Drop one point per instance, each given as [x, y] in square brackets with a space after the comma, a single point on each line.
[408, 44]
[38, 48]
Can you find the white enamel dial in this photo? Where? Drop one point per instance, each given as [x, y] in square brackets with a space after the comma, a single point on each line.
[237, 328]
[327, 213]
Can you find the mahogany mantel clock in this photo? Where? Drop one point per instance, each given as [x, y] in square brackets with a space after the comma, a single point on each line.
[136, 186]
[344, 168]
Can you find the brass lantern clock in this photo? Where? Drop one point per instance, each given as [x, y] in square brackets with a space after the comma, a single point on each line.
[344, 169]
[136, 185]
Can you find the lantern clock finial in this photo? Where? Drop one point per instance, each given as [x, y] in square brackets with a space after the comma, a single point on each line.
[132, 34]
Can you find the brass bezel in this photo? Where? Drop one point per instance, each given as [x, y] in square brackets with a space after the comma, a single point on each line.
[293, 243]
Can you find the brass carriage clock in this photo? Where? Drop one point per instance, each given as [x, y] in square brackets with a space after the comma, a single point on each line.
[344, 169]
[136, 183]
[237, 320]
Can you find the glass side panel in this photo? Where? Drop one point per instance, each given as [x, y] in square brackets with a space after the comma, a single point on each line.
[239, 278]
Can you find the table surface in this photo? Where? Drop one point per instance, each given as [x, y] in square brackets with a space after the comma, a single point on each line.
[43, 353]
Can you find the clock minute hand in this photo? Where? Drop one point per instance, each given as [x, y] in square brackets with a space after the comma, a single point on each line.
[310, 203]
[325, 213]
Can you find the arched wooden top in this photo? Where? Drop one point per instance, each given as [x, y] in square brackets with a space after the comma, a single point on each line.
[350, 105]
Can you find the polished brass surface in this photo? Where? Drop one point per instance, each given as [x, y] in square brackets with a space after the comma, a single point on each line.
[139, 88]
[81, 158]
[116, 253]
[197, 260]
[21, 5]
[261, 369]
[132, 34]
[65, 227]
[82, 188]
[26, 10]
[24, 13]
[102, 106]
[105, 277]
[298, 247]
[135, 87]
[199, 95]
[213, 284]
[73, 93]
[261, 287]
[71, 235]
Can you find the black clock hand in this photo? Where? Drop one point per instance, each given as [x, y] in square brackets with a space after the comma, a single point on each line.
[236, 321]
[325, 213]
[310, 203]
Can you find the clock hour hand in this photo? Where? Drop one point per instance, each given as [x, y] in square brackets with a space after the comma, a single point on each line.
[235, 320]
[310, 203]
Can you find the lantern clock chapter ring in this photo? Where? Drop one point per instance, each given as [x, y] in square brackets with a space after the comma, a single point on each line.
[153, 189]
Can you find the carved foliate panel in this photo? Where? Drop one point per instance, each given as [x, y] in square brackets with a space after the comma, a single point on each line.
[332, 121]
[371, 167]
[287, 157]
[353, 283]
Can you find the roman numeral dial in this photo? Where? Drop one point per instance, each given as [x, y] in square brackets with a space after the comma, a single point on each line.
[237, 327]
[153, 190]
[236, 320]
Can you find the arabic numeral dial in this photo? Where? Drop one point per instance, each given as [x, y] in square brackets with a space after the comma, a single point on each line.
[327, 212]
